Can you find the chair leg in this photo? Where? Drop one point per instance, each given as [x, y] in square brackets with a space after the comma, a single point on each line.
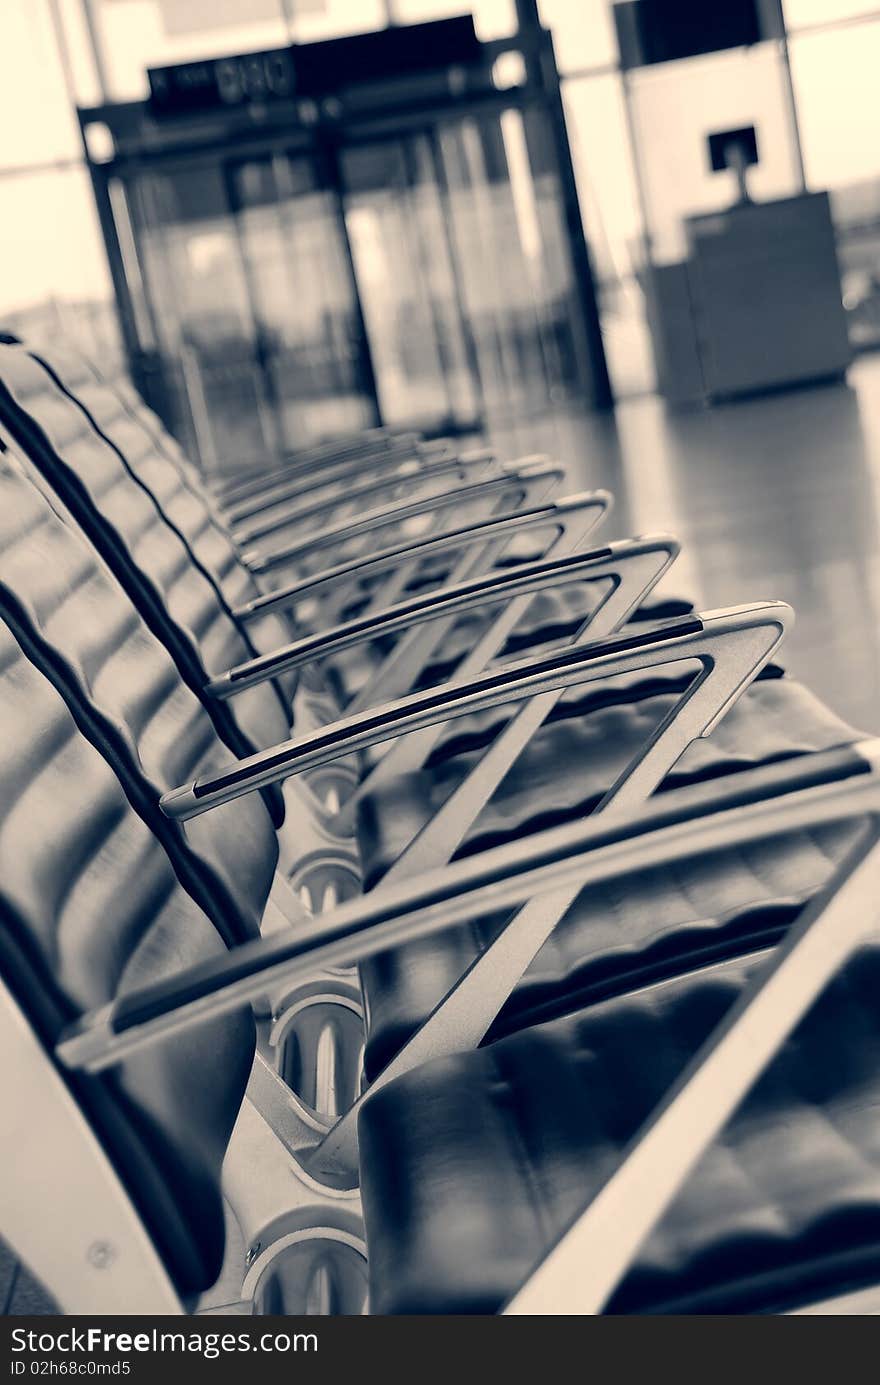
[304, 1245]
[316, 1043]
[62, 1206]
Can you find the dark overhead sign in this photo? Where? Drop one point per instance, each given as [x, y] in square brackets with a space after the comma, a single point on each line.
[218, 83]
[313, 70]
[660, 31]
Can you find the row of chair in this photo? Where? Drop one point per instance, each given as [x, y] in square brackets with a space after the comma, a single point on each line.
[384, 860]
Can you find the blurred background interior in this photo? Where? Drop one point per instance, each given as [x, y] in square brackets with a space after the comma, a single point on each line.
[642, 236]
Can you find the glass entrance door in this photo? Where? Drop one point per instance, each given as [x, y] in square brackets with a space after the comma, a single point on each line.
[192, 269]
[464, 268]
[308, 329]
[247, 271]
[421, 279]
[517, 282]
[424, 363]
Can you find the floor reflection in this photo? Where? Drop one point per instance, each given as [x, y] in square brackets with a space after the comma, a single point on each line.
[774, 497]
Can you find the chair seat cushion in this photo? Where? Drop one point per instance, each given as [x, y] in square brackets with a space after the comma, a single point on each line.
[659, 922]
[472, 1166]
[570, 763]
[553, 616]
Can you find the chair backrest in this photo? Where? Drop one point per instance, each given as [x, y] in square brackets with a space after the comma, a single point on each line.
[120, 517]
[120, 684]
[118, 415]
[90, 908]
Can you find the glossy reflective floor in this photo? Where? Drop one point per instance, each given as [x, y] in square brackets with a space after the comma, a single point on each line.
[773, 497]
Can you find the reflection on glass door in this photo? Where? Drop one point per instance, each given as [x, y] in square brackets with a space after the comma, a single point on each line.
[193, 270]
[309, 337]
[511, 245]
[408, 289]
[247, 272]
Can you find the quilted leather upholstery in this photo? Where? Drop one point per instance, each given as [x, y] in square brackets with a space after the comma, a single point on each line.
[122, 685]
[473, 1165]
[90, 908]
[567, 767]
[183, 503]
[553, 618]
[143, 448]
[117, 413]
[174, 596]
[665, 923]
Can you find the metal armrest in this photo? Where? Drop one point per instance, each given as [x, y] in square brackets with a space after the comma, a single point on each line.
[339, 485]
[464, 470]
[825, 787]
[529, 483]
[398, 672]
[556, 515]
[586, 1264]
[306, 480]
[370, 443]
[730, 646]
[632, 570]
[303, 481]
[731, 659]
[526, 580]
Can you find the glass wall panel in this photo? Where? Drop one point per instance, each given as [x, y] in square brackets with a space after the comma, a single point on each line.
[37, 124]
[837, 80]
[583, 33]
[492, 18]
[60, 284]
[79, 51]
[51, 237]
[319, 19]
[676, 105]
[803, 12]
[138, 34]
[835, 73]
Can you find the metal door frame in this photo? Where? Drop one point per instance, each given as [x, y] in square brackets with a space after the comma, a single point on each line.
[140, 145]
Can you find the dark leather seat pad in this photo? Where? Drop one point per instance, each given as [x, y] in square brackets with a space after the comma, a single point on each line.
[569, 764]
[471, 1166]
[666, 921]
[553, 617]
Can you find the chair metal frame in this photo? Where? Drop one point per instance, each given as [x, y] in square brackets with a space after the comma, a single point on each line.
[333, 478]
[582, 1270]
[730, 649]
[517, 487]
[398, 671]
[308, 512]
[105, 1261]
[374, 445]
[509, 525]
